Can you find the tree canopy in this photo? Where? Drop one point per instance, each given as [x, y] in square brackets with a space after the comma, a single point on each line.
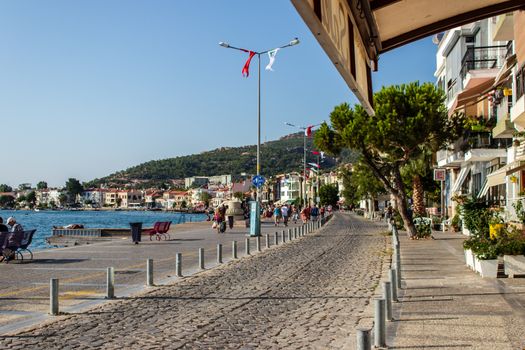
[409, 119]
[328, 194]
[5, 188]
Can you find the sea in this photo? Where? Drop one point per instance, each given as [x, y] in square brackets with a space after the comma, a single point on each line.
[43, 221]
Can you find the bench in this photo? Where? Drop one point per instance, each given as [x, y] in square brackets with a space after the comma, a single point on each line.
[514, 265]
[16, 241]
[160, 230]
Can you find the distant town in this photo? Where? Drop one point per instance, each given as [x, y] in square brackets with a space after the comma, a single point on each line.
[194, 193]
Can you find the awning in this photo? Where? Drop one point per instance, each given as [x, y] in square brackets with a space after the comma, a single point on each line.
[475, 89]
[459, 181]
[505, 71]
[493, 179]
[515, 167]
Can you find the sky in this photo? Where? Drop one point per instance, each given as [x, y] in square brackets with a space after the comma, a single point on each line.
[91, 87]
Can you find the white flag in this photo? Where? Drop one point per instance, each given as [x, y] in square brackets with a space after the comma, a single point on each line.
[271, 55]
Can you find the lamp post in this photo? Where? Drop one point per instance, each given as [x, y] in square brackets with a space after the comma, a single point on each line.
[295, 41]
[303, 128]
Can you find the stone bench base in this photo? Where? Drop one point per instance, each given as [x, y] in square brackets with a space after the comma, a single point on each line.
[514, 265]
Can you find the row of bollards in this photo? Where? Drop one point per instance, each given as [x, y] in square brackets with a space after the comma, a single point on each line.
[286, 235]
[383, 306]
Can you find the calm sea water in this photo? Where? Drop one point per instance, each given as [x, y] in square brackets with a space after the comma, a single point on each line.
[43, 221]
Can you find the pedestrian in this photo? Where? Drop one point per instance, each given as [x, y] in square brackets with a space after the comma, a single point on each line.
[305, 214]
[314, 212]
[277, 215]
[3, 228]
[284, 213]
[322, 212]
[295, 214]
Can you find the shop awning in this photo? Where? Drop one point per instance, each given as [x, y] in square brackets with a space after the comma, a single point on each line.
[495, 178]
[505, 71]
[473, 91]
[459, 181]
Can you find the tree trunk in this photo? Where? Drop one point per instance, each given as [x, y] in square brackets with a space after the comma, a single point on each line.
[417, 196]
[403, 211]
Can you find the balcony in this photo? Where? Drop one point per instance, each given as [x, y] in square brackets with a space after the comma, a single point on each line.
[482, 57]
[517, 112]
[481, 147]
[504, 28]
[449, 158]
[504, 128]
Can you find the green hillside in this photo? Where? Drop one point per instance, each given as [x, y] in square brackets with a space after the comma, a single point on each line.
[280, 156]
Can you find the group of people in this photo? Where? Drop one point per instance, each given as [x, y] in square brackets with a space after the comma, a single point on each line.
[7, 252]
[285, 213]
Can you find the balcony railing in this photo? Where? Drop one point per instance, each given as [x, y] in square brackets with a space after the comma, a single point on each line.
[482, 57]
[520, 82]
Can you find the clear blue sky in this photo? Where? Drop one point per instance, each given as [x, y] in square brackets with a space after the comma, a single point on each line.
[91, 87]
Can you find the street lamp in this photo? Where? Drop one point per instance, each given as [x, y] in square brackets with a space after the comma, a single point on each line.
[303, 128]
[293, 42]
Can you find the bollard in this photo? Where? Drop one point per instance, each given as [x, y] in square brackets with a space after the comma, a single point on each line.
[387, 295]
[379, 323]
[178, 265]
[149, 272]
[284, 236]
[247, 246]
[295, 233]
[289, 234]
[53, 296]
[258, 243]
[398, 269]
[234, 250]
[363, 339]
[201, 258]
[276, 240]
[393, 284]
[110, 285]
[219, 253]
[267, 241]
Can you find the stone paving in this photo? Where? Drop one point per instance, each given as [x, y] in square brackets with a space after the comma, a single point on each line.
[307, 294]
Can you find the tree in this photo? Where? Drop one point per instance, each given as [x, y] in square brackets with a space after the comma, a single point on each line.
[31, 199]
[183, 204]
[360, 184]
[7, 201]
[42, 185]
[328, 194]
[118, 202]
[205, 197]
[409, 119]
[63, 198]
[73, 188]
[418, 174]
[5, 188]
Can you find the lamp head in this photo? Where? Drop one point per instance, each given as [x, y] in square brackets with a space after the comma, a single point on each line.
[223, 44]
[294, 42]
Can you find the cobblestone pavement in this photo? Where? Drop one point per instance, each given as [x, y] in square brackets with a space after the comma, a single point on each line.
[310, 293]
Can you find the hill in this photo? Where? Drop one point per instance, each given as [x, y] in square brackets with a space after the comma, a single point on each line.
[280, 156]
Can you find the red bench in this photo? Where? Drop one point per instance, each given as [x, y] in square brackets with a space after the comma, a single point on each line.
[160, 230]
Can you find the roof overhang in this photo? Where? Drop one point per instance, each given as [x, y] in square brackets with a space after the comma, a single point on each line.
[354, 33]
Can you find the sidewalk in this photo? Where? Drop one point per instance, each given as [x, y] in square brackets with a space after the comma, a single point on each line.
[445, 305]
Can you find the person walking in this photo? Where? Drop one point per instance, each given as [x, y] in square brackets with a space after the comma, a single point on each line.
[314, 212]
[277, 215]
[284, 213]
[295, 214]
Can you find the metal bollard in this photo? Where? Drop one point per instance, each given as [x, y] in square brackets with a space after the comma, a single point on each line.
[53, 296]
[295, 233]
[387, 295]
[178, 265]
[276, 240]
[267, 241]
[393, 284]
[234, 250]
[363, 339]
[379, 323]
[284, 236]
[201, 258]
[247, 246]
[110, 285]
[219, 253]
[258, 243]
[149, 272]
[398, 269]
[289, 234]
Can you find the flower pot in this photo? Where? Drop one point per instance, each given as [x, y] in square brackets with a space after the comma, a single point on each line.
[469, 258]
[486, 268]
[465, 231]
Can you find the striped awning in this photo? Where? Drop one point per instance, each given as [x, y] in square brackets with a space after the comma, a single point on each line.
[495, 178]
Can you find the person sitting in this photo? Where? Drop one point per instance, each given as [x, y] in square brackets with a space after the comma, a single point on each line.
[3, 228]
[13, 225]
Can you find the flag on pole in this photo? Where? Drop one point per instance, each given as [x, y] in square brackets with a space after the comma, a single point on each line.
[314, 164]
[246, 68]
[308, 131]
[271, 55]
[312, 169]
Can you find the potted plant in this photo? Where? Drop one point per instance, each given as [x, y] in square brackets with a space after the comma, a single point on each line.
[469, 257]
[423, 227]
[486, 258]
[454, 223]
[496, 225]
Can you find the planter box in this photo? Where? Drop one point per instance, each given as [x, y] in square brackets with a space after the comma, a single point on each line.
[486, 268]
[469, 258]
[465, 231]
[514, 265]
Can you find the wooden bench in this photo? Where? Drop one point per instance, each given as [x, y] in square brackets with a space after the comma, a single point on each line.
[514, 265]
[160, 230]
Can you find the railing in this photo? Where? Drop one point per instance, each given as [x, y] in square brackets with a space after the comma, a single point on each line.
[520, 82]
[482, 57]
[477, 140]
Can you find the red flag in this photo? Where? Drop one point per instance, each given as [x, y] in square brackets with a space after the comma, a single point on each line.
[308, 131]
[316, 153]
[246, 68]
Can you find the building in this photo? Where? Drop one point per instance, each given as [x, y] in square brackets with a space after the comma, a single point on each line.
[94, 197]
[195, 181]
[469, 59]
[289, 187]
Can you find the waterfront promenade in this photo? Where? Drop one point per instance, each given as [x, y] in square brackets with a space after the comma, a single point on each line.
[309, 293]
